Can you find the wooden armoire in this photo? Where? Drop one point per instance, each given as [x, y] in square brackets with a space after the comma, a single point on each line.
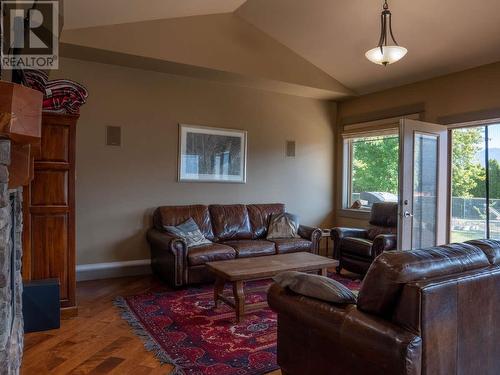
[49, 209]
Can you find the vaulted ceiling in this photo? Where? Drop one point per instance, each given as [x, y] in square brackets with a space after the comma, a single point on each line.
[311, 48]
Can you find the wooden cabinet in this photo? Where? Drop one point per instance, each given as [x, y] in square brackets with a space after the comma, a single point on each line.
[49, 209]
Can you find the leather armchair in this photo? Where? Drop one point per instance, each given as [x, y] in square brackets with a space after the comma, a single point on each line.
[357, 248]
[316, 337]
[430, 311]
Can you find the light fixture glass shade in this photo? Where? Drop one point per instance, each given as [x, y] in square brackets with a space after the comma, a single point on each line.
[388, 55]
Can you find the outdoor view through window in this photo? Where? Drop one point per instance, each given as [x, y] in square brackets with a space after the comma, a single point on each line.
[373, 170]
[475, 183]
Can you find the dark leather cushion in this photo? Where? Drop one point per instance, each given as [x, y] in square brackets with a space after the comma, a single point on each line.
[391, 270]
[175, 215]
[490, 247]
[230, 222]
[199, 255]
[384, 214]
[251, 248]
[292, 245]
[357, 246]
[260, 214]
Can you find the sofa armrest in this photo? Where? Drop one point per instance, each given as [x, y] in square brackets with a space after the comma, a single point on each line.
[337, 234]
[384, 242]
[313, 335]
[312, 234]
[168, 257]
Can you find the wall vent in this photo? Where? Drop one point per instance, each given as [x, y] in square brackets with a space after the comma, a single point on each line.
[290, 149]
[113, 136]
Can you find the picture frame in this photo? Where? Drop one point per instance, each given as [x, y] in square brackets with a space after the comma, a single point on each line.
[209, 154]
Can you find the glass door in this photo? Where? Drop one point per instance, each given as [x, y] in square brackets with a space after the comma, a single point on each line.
[423, 185]
[475, 183]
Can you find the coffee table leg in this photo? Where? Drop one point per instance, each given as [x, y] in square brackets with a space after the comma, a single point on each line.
[218, 289]
[239, 300]
[323, 272]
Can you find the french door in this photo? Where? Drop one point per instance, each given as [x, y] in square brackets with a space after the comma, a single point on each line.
[423, 184]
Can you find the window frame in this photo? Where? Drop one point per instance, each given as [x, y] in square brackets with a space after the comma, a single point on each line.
[347, 159]
[349, 128]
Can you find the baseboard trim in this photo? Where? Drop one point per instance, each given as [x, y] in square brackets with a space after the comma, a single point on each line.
[111, 270]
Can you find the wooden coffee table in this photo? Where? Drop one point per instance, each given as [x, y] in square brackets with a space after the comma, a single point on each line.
[238, 271]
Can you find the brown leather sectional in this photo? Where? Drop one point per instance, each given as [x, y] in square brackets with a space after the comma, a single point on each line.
[434, 311]
[237, 231]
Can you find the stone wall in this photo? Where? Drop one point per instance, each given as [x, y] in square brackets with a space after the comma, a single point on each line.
[11, 320]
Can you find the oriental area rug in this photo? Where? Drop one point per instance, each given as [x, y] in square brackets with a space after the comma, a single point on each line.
[182, 328]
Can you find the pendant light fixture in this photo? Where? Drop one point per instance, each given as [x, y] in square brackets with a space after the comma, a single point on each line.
[386, 53]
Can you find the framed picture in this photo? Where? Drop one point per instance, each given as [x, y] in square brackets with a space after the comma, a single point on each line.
[212, 154]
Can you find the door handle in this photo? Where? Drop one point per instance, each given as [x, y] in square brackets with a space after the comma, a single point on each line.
[407, 214]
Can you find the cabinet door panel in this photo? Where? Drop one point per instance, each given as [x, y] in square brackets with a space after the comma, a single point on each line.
[55, 142]
[50, 188]
[49, 236]
[49, 244]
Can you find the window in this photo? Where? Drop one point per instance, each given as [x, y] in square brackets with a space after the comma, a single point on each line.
[475, 187]
[371, 167]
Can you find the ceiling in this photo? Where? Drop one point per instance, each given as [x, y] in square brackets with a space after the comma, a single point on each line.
[442, 36]
[89, 13]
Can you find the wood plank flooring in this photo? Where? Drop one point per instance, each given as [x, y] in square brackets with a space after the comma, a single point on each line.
[97, 341]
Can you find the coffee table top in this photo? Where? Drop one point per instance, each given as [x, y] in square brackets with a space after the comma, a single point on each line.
[268, 266]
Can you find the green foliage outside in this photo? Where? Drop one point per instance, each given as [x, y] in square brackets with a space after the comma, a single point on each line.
[480, 189]
[376, 160]
[467, 173]
[375, 164]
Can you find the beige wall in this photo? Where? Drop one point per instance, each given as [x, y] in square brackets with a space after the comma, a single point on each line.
[118, 187]
[470, 94]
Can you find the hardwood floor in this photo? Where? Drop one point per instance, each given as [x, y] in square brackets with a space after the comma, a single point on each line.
[97, 341]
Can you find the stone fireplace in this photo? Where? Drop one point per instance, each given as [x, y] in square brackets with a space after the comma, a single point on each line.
[11, 318]
[20, 133]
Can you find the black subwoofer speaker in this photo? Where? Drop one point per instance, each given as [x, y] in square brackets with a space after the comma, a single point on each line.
[41, 306]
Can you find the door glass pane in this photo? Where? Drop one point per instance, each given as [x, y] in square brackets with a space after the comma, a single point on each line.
[494, 179]
[468, 184]
[425, 173]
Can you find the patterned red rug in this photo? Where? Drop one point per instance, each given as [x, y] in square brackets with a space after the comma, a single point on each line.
[183, 328]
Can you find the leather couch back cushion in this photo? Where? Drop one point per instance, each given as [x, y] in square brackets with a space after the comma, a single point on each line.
[490, 247]
[230, 222]
[175, 215]
[384, 214]
[260, 214]
[391, 270]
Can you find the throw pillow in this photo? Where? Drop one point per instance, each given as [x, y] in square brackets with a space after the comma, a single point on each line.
[316, 286]
[283, 225]
[189, 232]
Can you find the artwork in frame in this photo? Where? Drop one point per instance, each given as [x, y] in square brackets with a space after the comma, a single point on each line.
[209, 154]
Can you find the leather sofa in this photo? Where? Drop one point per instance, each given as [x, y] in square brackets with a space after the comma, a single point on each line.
[237, 231]
[357, 248]
[434, 311]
